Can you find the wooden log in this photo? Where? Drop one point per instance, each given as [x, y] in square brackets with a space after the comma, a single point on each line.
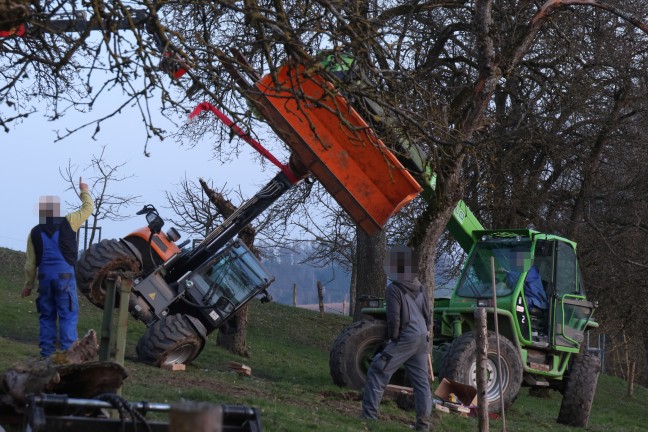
[37, 376]
[239, 368]
[395, 390]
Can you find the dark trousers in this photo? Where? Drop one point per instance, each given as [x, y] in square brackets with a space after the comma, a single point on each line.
[412, 352]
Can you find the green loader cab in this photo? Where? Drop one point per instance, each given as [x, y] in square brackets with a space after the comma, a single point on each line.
[537, 345]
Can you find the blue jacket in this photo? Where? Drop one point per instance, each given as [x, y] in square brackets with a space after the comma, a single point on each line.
[534, 292]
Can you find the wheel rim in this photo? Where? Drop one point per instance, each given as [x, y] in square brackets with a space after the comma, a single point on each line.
[492, 377]
[180, 354]
[366, 355]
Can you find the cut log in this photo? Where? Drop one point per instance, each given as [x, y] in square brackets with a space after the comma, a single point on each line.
[71, 373]
[240, 368]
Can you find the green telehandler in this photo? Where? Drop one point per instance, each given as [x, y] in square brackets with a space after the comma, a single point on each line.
[538, 347]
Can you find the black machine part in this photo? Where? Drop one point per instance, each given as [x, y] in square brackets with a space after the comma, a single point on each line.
[53, 413]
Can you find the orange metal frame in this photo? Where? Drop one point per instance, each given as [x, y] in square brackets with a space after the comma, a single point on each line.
[335, 144]
[164, 248]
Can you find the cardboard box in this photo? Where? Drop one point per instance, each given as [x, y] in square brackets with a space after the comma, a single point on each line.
[466, 394]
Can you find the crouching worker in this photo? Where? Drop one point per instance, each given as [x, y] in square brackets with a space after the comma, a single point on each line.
[52, 251]
[408, 326]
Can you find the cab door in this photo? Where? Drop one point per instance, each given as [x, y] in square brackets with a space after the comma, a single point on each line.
[572, 310]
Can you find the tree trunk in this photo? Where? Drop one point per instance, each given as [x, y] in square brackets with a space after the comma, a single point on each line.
[233, 335]
[371, 279]
[631, 376]
[353, 285]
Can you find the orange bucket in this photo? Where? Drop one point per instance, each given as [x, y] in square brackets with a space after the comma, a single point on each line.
[336, 145]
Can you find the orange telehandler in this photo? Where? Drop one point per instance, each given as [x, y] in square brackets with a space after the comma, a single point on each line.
[184, 295]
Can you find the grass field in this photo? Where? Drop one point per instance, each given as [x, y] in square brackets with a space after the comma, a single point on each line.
[290, 381]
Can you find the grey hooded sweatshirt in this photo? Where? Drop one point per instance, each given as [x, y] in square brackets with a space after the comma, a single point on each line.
[408, 309]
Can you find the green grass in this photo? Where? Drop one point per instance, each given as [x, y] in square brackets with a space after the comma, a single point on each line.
[290, 385]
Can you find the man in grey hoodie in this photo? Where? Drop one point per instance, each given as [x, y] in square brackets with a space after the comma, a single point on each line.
[408, 327]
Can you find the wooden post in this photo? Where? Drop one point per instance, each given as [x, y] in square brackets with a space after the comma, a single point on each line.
[320, 297]
[106, 337]
[481, 354]
[124, 287]
[196, 417]
[631, 375]
[497, 341]
[294, 294]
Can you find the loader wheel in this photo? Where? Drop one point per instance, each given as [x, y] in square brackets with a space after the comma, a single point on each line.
[579, 390]
[459, 364]
[353, 351]
[93, 266]
[172, 340]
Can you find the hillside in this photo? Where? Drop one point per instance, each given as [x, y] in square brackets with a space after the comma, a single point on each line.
[290, 381]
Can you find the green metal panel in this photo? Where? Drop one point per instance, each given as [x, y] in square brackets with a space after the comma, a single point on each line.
[462, 226]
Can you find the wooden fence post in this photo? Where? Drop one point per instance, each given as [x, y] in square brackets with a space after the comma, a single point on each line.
[631, 376]
[481, 354]
[320, 297]
[294, 294]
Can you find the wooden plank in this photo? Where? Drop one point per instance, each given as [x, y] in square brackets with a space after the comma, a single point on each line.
[174, 367]
[240, 368]
[395, 390]
[439, 407]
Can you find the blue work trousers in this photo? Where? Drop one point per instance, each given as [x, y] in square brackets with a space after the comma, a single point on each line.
[412, 352]
[57, 301]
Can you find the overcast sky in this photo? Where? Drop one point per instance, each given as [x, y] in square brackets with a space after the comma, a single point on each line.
[31, 162]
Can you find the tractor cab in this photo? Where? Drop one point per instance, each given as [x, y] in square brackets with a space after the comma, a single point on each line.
[222, 285]
[538, 288]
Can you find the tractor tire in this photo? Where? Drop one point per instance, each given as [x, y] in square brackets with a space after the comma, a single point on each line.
[353, 351]
[93, 266]
[459, 364]
[579, 390]
[171, 340]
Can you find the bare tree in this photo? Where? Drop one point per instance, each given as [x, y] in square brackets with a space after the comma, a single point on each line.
[196, 213]
[480, 86]
[103, 177]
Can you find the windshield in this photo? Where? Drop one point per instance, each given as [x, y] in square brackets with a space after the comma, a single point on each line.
[235, 274]
[476, 280]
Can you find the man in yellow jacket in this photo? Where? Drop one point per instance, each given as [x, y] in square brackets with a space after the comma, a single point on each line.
[52, 251]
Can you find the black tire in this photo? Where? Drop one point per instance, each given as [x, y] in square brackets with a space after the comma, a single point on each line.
[579, 390]
[353, 351]
[459, 365]
[171, 340]
[95, 263]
